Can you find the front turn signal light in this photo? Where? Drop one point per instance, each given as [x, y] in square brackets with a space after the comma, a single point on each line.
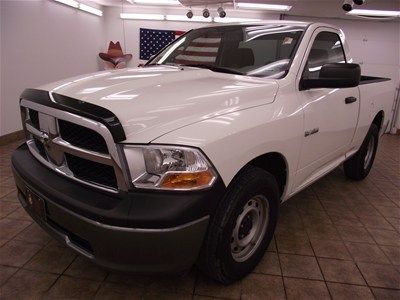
[188, 180]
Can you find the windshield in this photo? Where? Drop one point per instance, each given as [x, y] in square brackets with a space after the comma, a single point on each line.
[257, 50]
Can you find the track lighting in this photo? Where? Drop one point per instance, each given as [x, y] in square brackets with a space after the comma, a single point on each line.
[359, 2]
[206, 13]
[189, 14]
[348, 5]
[221, 12]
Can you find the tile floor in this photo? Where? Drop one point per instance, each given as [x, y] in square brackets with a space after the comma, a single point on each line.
[337, 239]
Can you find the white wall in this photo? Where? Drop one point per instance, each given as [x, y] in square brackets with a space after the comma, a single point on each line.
[375, 45]
[41, 42]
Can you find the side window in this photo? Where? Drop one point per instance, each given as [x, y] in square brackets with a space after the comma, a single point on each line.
[327, 48]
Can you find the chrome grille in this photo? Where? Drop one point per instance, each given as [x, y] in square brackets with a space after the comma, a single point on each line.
[82, 137]
[76, 147]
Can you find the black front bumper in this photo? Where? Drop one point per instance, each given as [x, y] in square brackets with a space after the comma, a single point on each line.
[138, 231]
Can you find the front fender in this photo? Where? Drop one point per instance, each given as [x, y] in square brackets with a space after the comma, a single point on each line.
[233, 140]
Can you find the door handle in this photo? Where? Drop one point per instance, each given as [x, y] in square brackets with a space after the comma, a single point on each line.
[349, 100]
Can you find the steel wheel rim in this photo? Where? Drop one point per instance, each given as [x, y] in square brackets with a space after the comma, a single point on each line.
[370, 152]
[250, 228]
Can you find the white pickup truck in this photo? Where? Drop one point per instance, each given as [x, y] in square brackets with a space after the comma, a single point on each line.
[187, 158]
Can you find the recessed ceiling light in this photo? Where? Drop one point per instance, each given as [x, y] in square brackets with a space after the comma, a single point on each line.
[90, 9]
[142, 16]
[274, 7]
[374, 13]
[72, 3]
[81, 6]
[157, 2]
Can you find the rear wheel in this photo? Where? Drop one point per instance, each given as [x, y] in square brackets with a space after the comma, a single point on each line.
[359, 165]
[242, 227]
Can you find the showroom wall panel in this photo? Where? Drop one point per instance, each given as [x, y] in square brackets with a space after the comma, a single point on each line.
[43, 41]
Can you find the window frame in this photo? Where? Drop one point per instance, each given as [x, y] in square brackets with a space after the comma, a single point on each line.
[315, 36]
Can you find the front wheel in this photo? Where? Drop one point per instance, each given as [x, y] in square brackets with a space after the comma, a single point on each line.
[359, 165]
[242, 227]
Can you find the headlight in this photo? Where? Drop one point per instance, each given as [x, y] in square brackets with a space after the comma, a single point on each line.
[168, 167]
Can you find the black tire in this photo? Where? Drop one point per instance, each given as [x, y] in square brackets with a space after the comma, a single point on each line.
[216, 259]
[356, 167]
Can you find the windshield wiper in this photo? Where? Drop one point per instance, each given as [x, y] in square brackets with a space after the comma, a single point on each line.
[214, 68]
[162, 64]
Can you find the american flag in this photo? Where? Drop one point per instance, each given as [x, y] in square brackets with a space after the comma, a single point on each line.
[203, 50]
[152, 41]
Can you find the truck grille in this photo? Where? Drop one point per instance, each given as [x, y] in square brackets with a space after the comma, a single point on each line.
[91, 171]
[71, 148]
[82, 137]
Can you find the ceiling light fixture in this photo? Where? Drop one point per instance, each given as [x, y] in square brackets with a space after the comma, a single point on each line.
[374, 13]
[185, 19]
[82, 6]
[71, 3]
[90, 9]
[359, 2]
[130, 16]
[273, 7]
[234, 20]
[189, 14]
[206, 13]
[348, 5]
[221, 12]
[157, 2]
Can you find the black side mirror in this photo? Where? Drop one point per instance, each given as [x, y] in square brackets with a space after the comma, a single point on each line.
[336, 75]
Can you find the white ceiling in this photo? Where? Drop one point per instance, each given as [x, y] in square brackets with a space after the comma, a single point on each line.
[312, 8]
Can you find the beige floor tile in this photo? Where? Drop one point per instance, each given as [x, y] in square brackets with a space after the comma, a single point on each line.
[385, 276]
[341, 291]
[52, 259]
[355, 234]
[208, 287]
[294, 245]
[5, 273]
[393, 253]
[11, 197]
[111, 291]
[305, 289]
[258, 286]
[27, 285]
[84, 268]
[20, 214]
[330, 249]
[72, 288]
[9, 228]
[362, 252]
[385, 237]
[17, 253]
[385, 294]
[34, 234]
[300, 266]
[7, 207]
[340, 271]
[269, 264]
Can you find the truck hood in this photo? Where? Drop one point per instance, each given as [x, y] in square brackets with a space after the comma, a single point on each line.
[152, 101]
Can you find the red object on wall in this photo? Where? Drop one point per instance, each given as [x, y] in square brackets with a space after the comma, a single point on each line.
[115, 58]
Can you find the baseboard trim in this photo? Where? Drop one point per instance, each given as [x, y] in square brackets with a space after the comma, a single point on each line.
[12, 137]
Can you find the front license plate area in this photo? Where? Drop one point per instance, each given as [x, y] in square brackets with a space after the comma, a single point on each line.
[36, 205]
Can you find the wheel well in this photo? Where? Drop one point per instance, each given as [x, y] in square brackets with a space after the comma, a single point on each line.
[378, 120]
[275, 164]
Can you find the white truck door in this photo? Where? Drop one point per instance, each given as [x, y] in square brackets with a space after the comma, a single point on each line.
[330, 115]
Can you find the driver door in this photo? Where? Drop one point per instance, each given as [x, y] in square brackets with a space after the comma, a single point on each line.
[329, 120]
